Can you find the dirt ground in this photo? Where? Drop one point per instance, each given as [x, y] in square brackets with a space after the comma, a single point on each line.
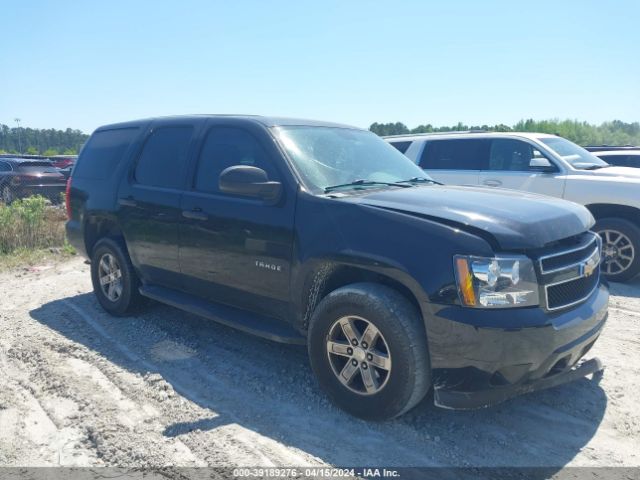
[81, 388]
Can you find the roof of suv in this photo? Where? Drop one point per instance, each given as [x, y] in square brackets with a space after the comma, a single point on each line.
[617, 153]
[467, 134]
[266, 121]
[21, 160]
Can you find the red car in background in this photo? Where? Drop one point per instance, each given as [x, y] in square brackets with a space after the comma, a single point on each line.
[63, 161]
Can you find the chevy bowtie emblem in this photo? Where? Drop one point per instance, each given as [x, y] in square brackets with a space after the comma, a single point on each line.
[588, 268]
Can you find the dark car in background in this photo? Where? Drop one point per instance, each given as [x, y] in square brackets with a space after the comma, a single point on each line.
[21, 177]
[609, 148]
[620, 158]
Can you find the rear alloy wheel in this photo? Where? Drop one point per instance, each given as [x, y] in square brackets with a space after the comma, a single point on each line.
[110, 276]
[114, 279]
[620, 248]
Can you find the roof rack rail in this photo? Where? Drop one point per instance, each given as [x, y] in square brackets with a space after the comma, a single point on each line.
[449, 132]
[602, 148]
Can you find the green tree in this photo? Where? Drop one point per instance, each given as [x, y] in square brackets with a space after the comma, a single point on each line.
[615, 132]
[383, 129]
[40, 140]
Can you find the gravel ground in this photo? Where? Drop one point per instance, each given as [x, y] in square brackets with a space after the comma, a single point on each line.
[81, 388]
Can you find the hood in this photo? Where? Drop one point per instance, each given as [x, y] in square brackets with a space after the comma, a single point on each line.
[515, 220]
[624, 174]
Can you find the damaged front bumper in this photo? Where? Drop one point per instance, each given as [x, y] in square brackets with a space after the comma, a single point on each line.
[483, 357]
[470, 400]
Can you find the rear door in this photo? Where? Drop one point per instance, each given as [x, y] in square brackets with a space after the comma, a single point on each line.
[149, 200]
[510, 167]
[455, 161]
[237, 250]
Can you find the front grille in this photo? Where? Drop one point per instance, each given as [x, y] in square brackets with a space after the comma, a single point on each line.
[569, 275]
[562, 260]
[571, 292]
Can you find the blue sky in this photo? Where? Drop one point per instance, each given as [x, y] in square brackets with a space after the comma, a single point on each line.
[83, 64]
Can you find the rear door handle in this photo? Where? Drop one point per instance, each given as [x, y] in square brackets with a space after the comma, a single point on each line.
[195, 214]
[492, 183]
[127, 202]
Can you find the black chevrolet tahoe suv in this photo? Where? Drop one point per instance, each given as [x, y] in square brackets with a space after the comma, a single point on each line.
[323, 234]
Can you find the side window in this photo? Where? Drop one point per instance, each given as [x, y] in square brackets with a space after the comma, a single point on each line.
[225, 147]
[4, 167]
[466, 154]
[510, 155]
[102, 153]
[402, 147]
[163, 158]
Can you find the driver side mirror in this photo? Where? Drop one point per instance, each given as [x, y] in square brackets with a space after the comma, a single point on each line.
[249, 181]
[541, 164]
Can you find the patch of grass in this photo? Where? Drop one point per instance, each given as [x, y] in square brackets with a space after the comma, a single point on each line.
[31, 230]
[30, 257]
[31, 223]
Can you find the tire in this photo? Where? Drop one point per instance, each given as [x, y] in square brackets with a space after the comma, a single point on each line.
[620, 247]
[401, 333]
[117, 301]
[7, 195]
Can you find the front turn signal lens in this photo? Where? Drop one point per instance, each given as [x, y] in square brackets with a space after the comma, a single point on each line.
[465, 282]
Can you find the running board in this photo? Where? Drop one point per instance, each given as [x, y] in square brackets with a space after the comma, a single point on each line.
[253, 323]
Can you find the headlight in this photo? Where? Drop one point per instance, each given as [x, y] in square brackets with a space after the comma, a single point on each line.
[500, 282]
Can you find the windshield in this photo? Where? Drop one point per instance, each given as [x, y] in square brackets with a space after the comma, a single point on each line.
[577, 156]
[330, 156]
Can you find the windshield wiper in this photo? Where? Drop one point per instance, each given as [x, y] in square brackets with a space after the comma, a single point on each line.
[596, 167]
[419, 180]
[363, 183]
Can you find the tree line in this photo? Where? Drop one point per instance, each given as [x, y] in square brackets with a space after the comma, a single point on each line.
[582, 133]
[36, 141]
[68, 142]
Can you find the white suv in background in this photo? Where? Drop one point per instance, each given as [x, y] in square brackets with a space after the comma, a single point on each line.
[545, 164]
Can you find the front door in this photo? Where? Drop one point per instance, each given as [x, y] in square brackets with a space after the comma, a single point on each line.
[236, 250]
[510, 167]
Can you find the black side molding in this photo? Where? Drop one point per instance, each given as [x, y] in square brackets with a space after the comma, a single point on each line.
[255, 324]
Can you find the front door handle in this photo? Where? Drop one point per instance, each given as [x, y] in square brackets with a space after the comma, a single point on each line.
[492, 183]
[195, 214]
[127, 202]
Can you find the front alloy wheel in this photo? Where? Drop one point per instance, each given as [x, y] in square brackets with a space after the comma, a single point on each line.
[368, 348]
[359, 355]
[620, 248]
[618, 252]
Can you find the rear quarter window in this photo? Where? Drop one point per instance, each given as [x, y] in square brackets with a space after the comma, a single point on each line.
[103, 152]
[402, 147]
[458, 154]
